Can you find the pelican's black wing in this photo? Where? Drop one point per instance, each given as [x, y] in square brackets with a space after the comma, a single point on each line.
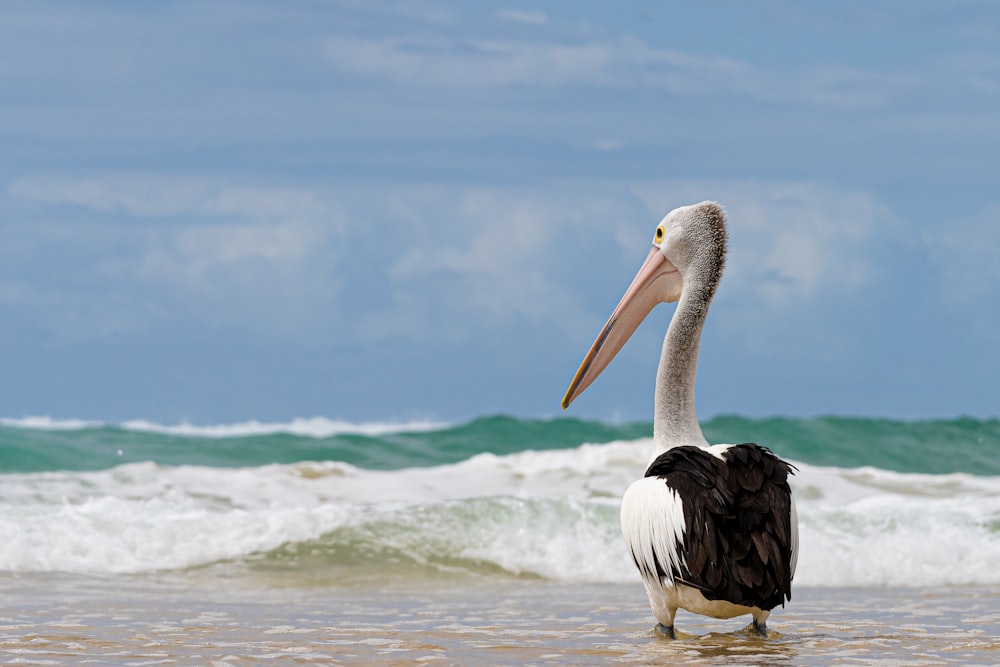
[738, 536]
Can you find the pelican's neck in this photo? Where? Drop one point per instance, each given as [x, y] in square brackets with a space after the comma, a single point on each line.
[675, 422]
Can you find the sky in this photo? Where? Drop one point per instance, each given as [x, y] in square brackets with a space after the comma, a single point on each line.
[377, 210]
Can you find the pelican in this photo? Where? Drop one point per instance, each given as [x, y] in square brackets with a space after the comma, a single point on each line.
[712, 529]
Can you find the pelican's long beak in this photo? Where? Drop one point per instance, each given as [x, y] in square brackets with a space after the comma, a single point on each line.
[657, 281]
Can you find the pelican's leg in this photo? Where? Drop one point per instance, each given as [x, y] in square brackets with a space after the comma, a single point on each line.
[759, 625]
[663, 604]
[666, 630]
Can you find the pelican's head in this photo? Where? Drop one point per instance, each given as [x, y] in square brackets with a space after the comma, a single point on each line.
[689, 247]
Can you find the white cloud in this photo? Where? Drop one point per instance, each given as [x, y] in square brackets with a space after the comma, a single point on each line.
[475, 257]
[143, 196]
[520, 16]
[502, 232]
[268, 203]
[265, 227]
[473, 62]
[251, 256]
[163, 196]
[211, 225]
[607, 145]
[421, 12]
[615, 63]
[190, 255]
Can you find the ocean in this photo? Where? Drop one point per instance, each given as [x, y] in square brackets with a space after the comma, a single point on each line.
[490, 542]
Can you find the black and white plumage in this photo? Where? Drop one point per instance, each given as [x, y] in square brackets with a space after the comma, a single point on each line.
[712, 529]
[728, 546]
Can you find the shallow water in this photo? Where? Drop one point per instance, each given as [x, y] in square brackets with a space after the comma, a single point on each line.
[203, 617]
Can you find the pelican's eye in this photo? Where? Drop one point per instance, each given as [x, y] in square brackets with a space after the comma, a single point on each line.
[658, 237]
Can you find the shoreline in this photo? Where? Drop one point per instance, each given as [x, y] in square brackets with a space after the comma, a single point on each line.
[209, 618]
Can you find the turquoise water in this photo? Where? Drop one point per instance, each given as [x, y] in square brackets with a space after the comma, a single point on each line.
[934, 446]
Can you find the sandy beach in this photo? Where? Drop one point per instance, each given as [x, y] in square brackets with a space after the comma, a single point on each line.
[207, 617]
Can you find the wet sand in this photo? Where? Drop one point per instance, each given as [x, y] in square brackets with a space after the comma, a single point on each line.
[213, 619]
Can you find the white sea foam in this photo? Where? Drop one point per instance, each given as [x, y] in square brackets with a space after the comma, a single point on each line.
[553, 513]
[315, 427]
[47, 423]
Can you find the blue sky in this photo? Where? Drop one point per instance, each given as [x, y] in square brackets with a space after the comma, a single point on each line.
[378, 210]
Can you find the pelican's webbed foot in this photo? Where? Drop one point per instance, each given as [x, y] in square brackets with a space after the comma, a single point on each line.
[759, 629]
[666, 630]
